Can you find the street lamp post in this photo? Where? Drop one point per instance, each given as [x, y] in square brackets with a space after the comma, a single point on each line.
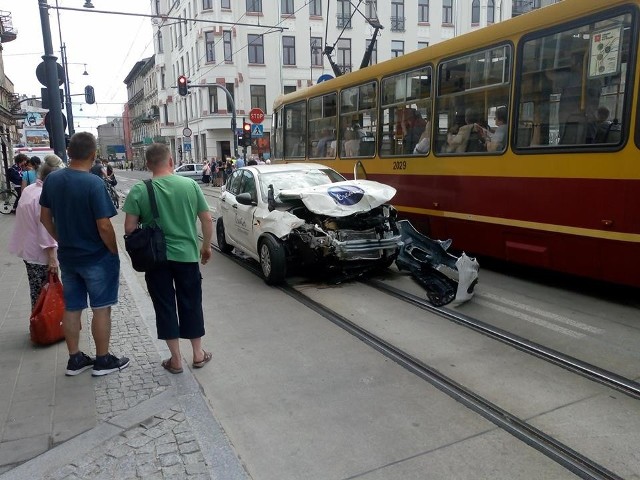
[51, 70]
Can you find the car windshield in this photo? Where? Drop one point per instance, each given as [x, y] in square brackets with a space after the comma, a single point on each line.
[289, 179]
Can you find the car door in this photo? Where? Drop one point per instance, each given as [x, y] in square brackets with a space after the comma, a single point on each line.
[244, 214]
[227, 210]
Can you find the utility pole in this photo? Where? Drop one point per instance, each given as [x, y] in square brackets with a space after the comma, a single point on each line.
[51, 70]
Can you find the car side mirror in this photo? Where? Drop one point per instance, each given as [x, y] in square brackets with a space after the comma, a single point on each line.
[359, 172]
[245, 199]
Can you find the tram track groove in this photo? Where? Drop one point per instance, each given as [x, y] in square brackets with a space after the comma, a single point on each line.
[552, 448]
[535, 438]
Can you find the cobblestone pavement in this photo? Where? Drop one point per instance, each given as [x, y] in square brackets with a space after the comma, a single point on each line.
[148, 424]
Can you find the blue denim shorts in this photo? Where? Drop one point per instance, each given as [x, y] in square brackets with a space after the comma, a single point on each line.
[99, 280]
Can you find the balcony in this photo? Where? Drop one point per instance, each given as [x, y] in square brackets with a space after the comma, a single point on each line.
[7, 33]
[397, 24]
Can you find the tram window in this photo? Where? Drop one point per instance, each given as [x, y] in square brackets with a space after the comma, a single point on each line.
[472, 102]
[358, 125]
[294, 126]
[322, 126]
[572, 86]
[405, 120]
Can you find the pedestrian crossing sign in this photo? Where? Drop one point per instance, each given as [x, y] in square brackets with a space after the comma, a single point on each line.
[257, 130]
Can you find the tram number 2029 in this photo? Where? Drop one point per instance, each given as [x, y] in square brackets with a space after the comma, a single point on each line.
[400, 165]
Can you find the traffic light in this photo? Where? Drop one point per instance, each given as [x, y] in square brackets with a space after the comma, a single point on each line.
[183, 85]
[246, 134]
[89, 95]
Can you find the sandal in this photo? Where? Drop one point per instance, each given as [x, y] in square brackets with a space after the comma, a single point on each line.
[207, 356]
[166, 364]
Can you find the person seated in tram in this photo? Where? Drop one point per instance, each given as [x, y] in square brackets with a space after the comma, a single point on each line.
[602, 125]
[323, 145]
[496, 141]
[465, 138]
[412, 125]
[351, 143]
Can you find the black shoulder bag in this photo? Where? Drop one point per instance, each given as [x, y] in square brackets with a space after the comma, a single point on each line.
[147, 246]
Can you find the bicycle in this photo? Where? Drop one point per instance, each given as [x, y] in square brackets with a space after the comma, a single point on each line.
[8, 198]
[115, 198]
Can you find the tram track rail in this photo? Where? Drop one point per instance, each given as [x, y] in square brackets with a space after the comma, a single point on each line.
[591, 372]
[561, 453]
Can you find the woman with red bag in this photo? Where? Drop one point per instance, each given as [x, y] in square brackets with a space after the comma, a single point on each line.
[30, 240]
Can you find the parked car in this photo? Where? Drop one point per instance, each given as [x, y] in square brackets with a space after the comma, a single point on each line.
[193, 170]
[307, 214]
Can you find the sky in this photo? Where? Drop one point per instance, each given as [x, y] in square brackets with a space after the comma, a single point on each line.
[108, 44]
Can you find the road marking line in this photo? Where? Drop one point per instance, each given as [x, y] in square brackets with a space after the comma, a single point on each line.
[545, 314]
[529, 318]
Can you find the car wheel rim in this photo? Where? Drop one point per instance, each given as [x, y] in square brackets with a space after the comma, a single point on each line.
[265, 260]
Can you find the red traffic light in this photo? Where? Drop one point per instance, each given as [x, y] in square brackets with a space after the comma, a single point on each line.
[183, 85]
[247, 128]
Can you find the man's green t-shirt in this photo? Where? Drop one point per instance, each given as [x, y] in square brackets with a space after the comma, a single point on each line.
[179, 201]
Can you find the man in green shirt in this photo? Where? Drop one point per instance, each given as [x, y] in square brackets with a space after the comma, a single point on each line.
[178, 282]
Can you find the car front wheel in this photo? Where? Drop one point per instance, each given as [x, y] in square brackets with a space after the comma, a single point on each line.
[222, 240]
[272, 260]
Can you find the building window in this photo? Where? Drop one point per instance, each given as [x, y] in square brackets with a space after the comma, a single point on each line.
[422, 45]
[228, 52]
[344, 14]
[397, 48]
[423, 11]
[371, 9]
[288, 50]
[259, 97]
[230, 87]
[475, 11]
[256, 48]
[343, 54]
[207, 4]
[160, 47]
[157, 2]
[254, 6]
[213, 99]
[315, 8]
[447, 11]
[397, 16]
[163, 78]
[210, 42]
[374, 53]
[316, 52]
[287, 7]
[289, 89]
[491, 11]
[226, 4]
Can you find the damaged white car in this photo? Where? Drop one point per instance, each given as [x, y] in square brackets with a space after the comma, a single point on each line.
[307, 214]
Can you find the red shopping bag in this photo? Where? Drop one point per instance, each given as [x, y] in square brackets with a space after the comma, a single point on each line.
[45, 325]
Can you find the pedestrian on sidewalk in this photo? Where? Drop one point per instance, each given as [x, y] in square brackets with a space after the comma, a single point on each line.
[15, 176]
[77, 211]
[178, 282]
[29, 239]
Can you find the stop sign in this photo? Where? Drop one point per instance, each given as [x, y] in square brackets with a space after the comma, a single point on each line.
[256, 115]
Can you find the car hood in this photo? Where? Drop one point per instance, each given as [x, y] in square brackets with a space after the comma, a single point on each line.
[341, 199]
